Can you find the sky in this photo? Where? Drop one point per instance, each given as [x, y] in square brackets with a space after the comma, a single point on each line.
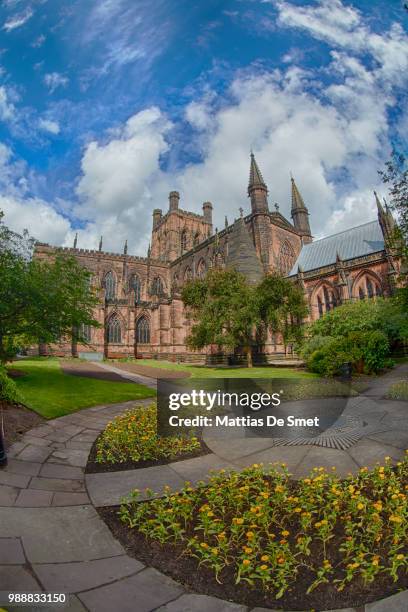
[107, 105]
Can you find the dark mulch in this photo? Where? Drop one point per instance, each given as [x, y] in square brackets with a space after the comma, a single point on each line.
[17, 420]
[151, 371]
[92, 467]
[169, 559]
[90, 370]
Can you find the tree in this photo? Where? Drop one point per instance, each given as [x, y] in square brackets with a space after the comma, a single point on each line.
[225, 311]
[395, 176]
[40, 301]
[282, 307]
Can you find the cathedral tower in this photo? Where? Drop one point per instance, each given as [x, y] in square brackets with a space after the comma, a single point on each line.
[257, 189]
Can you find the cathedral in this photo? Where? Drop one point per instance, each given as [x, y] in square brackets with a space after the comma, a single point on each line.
[141, 311]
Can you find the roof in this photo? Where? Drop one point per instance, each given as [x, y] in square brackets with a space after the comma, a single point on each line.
[355, 242]
[255, 175]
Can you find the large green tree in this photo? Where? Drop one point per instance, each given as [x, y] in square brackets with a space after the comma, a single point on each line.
[224, 309]
[40, 301]
[282, 307]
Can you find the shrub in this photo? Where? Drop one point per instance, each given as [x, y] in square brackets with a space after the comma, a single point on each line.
[398, 390]
[133, 436]
[265, 528]
[8, 388]
[376, 348]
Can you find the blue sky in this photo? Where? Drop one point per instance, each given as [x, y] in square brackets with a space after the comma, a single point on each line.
[106, 105]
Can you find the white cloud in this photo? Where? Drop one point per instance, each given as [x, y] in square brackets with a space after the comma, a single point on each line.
[36, 215]
[53, 80]
[7, 109]
[18, 20]
[49, 126]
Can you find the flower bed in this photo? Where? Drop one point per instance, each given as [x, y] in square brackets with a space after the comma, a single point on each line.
[131, 440]
[257, 536]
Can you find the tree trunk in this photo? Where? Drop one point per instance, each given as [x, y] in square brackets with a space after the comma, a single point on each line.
[248, 356]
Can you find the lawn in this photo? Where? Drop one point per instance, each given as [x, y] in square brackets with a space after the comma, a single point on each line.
[223, 372]
[51, 393]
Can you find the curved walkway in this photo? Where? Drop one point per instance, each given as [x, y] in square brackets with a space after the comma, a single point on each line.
[52, 539]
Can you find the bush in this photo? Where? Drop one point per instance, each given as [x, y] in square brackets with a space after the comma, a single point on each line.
[366, 351]
[261, 527]
[133, 436]
[8, 388]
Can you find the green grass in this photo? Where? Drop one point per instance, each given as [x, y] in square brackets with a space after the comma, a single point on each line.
[398, 391]
[47, 390]
[205, 372]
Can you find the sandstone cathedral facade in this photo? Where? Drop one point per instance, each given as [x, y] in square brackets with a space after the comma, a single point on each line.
[141, 312]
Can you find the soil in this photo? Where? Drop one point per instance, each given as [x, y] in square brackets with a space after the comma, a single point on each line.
[170, 559]
[92, 467]
[17, 420]
[89, 370]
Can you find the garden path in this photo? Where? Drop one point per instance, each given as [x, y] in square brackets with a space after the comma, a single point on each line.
[52, 538]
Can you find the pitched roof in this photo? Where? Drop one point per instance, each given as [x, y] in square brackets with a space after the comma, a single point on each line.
[355, 242]
[242, 254]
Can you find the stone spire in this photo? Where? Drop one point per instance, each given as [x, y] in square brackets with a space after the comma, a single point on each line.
[300, 214]
[385, 219]
[76, 240]
[125, 248]
[257, 189]
[100, 243]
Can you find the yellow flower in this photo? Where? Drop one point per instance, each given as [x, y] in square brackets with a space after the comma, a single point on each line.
[238, 521]
[285, 533]
[281, 560]
[246, 562]
[249, 535]
[400, 557]
[395, 519]
[247, 550]
[360, 506]
[263, 567]
[204, 545]
[214, 551]
[297, 510]
[265, 558]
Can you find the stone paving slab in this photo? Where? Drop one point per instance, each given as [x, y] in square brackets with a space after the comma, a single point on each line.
[292, 456]
[367, 453]
[201, 603]
[17, 578]
[55, 470]
[234, 449]
[31, 498]
[396, 603]
[77, 458]
[70, 499]
[57, 484]
[11, 551]
[109, 488]
[143, 592]
[199, 467]
[56, 535]
[331, 457]
[76, 577]
[34, 453]
[8, 495]
[396, 438]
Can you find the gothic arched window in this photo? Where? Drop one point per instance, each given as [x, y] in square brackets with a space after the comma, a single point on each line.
[201, 269]
[319, 305]
[142, 331]
[361, 293]
[196, 240]
[188, 274]
[110, 286]
[157, 286]
[114, 330]
[326, 298]
[136, 286]
[370, 288]
[85, 332]
[183, 241]
[286, 257]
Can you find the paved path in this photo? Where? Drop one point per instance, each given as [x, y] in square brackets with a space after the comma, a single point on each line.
[138, 378]
[52, 539]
